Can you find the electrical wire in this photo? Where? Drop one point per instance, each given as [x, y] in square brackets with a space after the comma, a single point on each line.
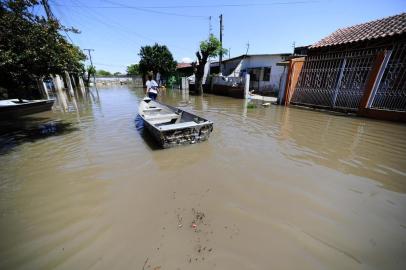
[118, 27]
[119, 5]
[143, 9]
[154, 11]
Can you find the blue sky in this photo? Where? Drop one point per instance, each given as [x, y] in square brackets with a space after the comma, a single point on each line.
[116, 29]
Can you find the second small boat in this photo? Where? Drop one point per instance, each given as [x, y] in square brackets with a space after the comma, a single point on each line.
[172, 126]
[12, 108]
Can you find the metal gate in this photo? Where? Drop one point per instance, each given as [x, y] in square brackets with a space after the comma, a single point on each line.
[334, 80]
[390, 93]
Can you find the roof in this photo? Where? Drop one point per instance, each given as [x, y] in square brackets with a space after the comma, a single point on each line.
[386, 27]
[183, 65]
[250, 55]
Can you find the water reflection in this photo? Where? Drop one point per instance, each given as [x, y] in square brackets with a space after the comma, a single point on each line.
[26, 131]
[279, 181]
[363, 147]
[352, 145]
[145, 135]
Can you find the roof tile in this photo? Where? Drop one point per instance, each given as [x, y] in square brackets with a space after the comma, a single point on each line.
[389, 26]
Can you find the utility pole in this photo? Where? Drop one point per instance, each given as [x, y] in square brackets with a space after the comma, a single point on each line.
[91, 63]
[221, 43]
[210, 28]
[248, 47]
[90, 55]
[47, 9]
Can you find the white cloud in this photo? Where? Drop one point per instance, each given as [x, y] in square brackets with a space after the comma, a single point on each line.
[186, 60]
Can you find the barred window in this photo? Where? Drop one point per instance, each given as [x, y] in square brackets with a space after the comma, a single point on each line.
[267, 74]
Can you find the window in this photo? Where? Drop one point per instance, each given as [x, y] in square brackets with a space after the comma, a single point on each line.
[267, 74]
[255, 74]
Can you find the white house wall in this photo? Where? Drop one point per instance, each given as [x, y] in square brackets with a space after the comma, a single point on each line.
[261, 61]
[229, 66]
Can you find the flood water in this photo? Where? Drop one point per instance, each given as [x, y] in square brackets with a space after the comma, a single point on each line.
[273, 188]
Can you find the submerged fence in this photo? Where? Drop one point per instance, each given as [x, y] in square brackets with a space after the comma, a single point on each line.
[338, 80]
[391, 92]
[334, 80]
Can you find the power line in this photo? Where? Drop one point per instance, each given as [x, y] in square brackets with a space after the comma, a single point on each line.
[47, 9]
[143, 9]
[90, 55]
[117, 5]
[154, 11]
[118, 27]
[51, 16]
[236, 5]
[62, 16]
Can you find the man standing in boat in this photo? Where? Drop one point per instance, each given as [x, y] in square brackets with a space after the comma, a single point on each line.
[152, 88]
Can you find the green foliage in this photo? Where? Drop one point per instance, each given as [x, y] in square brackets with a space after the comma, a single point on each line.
[102, 72]
[156, 58]
[171, 81]
[251, 105]
[208, 48]
[133, 69]
[32, 47]
[91, 70]
[212, 47]
[117, 73]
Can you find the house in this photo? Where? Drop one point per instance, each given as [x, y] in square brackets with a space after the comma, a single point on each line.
[184, 69]
[186, 73]
[265, 74]
[360, 68]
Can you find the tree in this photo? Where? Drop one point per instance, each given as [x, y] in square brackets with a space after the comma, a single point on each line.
[32, 47]
[102, 72]
[117, 73]
[133, 69]
[156, 58]
[208, 48]
[91, 71]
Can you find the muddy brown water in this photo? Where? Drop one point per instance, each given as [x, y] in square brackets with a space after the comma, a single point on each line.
[273, 188]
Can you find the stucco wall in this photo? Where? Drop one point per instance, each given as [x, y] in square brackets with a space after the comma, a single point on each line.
[266, 61]
[259, 61]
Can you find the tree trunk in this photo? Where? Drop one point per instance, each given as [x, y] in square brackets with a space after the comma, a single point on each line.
[88, 80]
[202, 58]
[199, 86]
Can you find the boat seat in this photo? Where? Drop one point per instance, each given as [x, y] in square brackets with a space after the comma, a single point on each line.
[160, 121]
[162, 116]
[177, 126]
[152, 109]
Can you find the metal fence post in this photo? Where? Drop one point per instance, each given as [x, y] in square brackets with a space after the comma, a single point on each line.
[377, 82]
[340, 77]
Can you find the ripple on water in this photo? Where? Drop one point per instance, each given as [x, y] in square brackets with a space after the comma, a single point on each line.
[296, 183]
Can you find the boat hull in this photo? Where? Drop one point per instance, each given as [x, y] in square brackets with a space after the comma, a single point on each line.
[183, 133]
[17, 110]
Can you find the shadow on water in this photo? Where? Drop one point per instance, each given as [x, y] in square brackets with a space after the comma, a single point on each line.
[145, 135]
[30, 129]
